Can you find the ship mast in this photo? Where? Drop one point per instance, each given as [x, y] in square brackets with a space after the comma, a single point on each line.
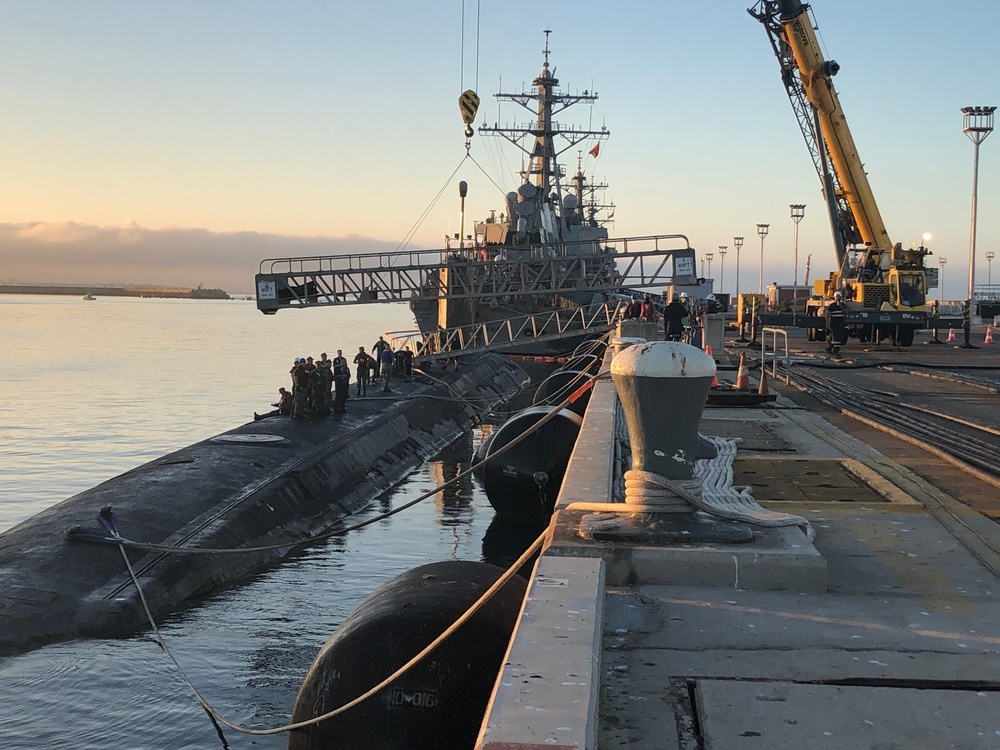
[544, 101]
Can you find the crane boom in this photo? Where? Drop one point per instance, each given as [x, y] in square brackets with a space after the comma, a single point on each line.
[874, 275]
[815, 74]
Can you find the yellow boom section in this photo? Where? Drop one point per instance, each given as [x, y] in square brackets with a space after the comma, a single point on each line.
[815, 75]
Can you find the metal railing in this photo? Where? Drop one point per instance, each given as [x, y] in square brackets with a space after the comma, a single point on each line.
[507, 333]
[436, 257]
[786, 361]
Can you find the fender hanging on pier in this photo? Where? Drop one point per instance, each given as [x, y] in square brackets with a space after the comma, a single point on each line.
[526, 479]
[440, 701]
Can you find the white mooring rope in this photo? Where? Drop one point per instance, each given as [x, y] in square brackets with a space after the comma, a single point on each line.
[710, 491]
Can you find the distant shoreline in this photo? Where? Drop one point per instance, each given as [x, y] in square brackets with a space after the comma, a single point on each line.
[115, 291]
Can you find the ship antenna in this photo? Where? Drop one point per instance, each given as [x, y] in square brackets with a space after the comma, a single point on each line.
[545, 52]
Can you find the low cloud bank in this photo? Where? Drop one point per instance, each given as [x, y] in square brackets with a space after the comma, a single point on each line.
[73, 253]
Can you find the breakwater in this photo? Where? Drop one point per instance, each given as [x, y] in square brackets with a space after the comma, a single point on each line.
[115, 291]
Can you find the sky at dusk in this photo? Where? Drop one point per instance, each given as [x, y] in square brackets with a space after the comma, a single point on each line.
[183, 142]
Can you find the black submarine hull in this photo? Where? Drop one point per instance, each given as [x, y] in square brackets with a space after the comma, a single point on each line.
[273, 481]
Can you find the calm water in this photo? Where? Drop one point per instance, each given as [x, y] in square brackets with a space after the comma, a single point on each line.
[91, 389]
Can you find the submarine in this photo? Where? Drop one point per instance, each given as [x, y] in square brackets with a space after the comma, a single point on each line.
[267, 487]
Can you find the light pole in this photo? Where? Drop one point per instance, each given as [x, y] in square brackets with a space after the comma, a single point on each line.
[738, 244]
[977, 123]
[708, 257]
[798, 211]
[990, 255]
[762, 233]
[941, 263]
[722, 272]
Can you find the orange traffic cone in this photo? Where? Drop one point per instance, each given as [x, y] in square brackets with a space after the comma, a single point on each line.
[742, 376]
[989, 335]
[708, 351]
[951, 335]
[762, 389]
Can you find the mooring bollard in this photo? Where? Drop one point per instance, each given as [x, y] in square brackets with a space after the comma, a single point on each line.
[662, 387]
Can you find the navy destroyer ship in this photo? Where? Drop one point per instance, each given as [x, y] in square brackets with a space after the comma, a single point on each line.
[536, 277]
[546, 223]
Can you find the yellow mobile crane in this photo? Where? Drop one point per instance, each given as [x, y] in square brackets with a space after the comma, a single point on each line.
[884, 285]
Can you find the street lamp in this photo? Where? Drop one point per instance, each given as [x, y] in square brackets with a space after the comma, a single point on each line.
[708, 257]
[722, 273]
[977, 123]
[990, 255]
[798, 213]
[738, 244]
[941, 262]
[762, 233]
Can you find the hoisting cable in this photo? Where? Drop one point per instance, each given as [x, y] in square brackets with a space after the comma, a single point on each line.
[488, 177]
[420, 220]
[82, 535]
[479, 4]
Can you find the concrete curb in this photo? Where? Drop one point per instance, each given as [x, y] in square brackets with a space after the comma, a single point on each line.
[547, 694]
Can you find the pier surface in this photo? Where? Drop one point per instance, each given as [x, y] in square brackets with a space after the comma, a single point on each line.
[882, 633]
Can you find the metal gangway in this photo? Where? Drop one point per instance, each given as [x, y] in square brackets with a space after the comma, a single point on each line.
[470, 273]
[508, 333]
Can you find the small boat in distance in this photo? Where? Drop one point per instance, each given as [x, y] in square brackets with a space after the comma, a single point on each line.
[89, 297]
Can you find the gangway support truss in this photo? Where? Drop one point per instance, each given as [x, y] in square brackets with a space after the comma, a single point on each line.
[413, 276]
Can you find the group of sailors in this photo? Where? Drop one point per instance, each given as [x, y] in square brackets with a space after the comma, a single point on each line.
[321, 387]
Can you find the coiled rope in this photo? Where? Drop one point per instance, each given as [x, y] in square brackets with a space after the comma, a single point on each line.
[710, 490]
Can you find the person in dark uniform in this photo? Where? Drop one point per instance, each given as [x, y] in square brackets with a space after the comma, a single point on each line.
[300, 388]
[673, 319]
[835, 325]
[404, 358]
[634, 309]
[364, 362]
[341, 385]
[323, 384]
[377, 348]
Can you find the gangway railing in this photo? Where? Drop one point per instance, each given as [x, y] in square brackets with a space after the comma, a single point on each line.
[499, 335]
[652, 261]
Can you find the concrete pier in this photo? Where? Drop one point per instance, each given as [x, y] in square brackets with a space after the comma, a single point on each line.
[884, 632]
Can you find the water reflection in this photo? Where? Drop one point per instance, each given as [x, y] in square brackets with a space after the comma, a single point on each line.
[454, 502]
[508, 536]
